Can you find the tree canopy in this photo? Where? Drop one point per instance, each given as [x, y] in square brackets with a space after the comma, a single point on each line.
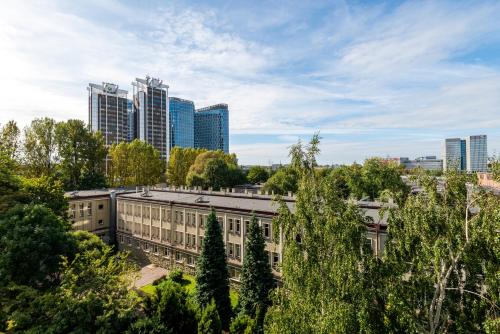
[179, 162]
[257, 174]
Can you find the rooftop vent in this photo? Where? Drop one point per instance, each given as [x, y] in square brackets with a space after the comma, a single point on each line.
[201, 199]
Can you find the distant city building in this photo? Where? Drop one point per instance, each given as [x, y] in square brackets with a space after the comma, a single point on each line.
[181, 123]
[463, 155]
[108, 111]
[477, 153]
[452, 154]
[428, 163]
[131, 120]
[151, 110]
[211, 128]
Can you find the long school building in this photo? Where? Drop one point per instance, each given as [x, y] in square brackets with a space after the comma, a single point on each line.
[166, 227]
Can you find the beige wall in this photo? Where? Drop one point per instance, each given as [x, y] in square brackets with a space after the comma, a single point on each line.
[90, 214]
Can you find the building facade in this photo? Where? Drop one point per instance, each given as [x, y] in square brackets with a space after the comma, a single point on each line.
[452, 154]
[477, 153]
[181, 123]
[108, 112]
[426, 163]
[150, 99]
[211, 128]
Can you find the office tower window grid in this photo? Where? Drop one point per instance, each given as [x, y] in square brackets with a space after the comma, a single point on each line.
[211, 128]
[181, 123]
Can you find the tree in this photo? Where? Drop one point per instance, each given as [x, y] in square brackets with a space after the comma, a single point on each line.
[40, 147]
[179, 162]
[256, 276]
[93, 297]
[257, 174]
[46, 191]
[9, 184]
[284, 180]
[135, 163]
[443, 254]
[168, 311]
[33, 240]
[9, 139]
[243, 324]
[329, 277]
[81, 155]
[212, 279]
[209, 321]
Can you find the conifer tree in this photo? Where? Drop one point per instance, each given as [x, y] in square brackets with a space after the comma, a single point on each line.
[212, 279]
[256, 276]
[210, 321]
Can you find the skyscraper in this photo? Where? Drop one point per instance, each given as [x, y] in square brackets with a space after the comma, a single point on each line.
[131, 121]
[477, 153]
[151, 108]
[181, 123]
[211, 128]
[108, 111]
[452, 155]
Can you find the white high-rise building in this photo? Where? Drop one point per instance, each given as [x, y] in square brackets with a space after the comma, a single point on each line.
[477, 153]
[452, 154]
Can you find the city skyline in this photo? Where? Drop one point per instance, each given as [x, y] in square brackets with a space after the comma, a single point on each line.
[391, 79]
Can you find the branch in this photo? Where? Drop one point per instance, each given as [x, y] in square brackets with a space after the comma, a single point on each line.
[477, 294]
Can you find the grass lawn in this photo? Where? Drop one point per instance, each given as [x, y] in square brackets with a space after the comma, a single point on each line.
[189, 284]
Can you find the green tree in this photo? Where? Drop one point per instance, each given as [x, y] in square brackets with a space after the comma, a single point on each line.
[212, 279]
[40, 147]
[443, 256]
[209, 321]
[9, 139]
[284, 180]
[256, 276]
[93, 297]
[329, 277]
[180, 160]
[33, 240]
[81, 154]
[243, 324]
[257, 174]
[46, 191]
[9, 184]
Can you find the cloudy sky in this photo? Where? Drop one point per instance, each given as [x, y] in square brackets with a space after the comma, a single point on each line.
[374, 78]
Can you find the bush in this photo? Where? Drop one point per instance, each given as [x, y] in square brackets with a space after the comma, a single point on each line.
[176, 276]
[242, 324]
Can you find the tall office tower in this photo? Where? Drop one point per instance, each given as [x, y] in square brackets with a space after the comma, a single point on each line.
[151, 108]
[463, 152]
[131, 121]
[108, 111]
[211, 128]
[181, 123]
[452, 155]
[477, 153]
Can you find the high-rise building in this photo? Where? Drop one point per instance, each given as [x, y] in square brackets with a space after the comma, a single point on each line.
[452, 155]
[151, 108]
[211, 128]
[132, 121]
[463, 157]
[181, 123]
[108, 111]
[477, 153]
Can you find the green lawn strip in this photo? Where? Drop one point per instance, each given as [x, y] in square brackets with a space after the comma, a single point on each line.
[190, 285]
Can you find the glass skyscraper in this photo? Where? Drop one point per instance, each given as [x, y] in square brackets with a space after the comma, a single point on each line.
[181, 123]
[477, 153]
[211, 128]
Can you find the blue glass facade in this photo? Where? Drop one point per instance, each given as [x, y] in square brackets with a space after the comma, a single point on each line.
[211, 128]
[181, 123]
[463, 155]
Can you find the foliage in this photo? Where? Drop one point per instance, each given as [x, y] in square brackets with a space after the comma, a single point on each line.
[179, 162]
[93, 296]
[330, 279]
[135, 163]
[257, 174]
[209, 321]
[9, 184]
[256, 276]
[243, 324]
[9, 140]
[167, 311]
[443, 253]
[339, 179]
[47, 191]
[176, 276]
[284, 180]
[212, 280]
[215, 169]
[495, 168]
[33, 240]
[81, 154]
[40, 147]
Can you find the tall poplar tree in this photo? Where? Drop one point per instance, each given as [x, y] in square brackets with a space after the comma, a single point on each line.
[212, 279]
[256, 276]
[40, 147]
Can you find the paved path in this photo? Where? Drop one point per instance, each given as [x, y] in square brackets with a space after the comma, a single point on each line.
[149, 274]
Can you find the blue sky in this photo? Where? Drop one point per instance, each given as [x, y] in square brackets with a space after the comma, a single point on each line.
[374, 78]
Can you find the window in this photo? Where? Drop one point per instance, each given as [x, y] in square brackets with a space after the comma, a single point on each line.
[101, 222]
[190, 260]
[178, 256]
[276, 260]
[220, 220]
[81, 209]
[146, 212]
[201, 241]
[166, 252]
[238, 226]
[89, 209]
[247, 224]
[231, 226]
[230, 249]
[237, 251]
[369, 243]
[101, 206]
[155, 249]
[137, 211]
[266, 230]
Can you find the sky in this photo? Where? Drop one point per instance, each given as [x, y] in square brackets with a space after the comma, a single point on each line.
[373, 78]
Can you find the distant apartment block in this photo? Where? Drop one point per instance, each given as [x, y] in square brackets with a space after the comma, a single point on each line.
[477, 153]
[426, 163]
[211, 128]
[470, 154]
[108, 111]
[151, 112]
[181, 123]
